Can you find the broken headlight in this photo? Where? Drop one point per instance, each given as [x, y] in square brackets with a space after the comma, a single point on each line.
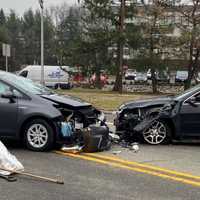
[121, 108]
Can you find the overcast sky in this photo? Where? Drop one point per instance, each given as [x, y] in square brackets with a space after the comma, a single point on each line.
[21, 5]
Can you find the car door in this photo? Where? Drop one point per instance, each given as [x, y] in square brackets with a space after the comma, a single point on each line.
[8, 112]
[190, 116]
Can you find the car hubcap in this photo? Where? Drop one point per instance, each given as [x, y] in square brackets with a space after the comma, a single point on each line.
[156, 133]
[37, 135]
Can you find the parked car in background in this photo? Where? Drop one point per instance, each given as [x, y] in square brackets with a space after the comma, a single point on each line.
[130, 74]
[54, 76]
[181, 76]
[34, 114]
[140, 77]
[162, 77]
[178, 118]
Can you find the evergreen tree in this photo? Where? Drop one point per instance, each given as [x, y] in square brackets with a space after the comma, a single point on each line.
[115, 35]
[13, 24]
[2, 17]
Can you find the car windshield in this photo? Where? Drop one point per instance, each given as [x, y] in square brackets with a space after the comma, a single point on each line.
[130, 71]
[186, 92]
[25, 84]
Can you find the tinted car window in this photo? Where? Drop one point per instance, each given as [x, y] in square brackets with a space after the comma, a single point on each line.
[3, 87]
[24, 73]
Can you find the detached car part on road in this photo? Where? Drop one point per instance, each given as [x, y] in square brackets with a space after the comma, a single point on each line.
[160, 120]
[34, 114]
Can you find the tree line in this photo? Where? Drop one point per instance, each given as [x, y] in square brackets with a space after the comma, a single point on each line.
[95, 35]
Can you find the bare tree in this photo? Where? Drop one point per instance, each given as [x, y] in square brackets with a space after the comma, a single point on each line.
[153, 36]
[188, 23]
[119, 76]
[190, 33]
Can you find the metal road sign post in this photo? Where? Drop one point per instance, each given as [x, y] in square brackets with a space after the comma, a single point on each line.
[41, 2]
[6, 53]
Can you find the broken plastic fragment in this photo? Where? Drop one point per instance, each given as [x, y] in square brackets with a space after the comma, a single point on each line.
[116, 152]
[72, 149]
[134, 147]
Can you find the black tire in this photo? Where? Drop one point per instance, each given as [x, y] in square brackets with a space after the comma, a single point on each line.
[47, 135]
[164, 138]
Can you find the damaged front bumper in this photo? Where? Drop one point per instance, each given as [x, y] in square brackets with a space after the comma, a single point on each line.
[92, 138]
[96, 138]
[130, 124]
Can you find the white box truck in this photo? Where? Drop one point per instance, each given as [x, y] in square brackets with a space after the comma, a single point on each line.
[54, 76]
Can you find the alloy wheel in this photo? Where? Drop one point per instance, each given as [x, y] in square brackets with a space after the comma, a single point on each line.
[37, 135]
[156, 133]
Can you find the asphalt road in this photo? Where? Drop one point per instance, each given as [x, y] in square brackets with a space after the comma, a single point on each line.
[89, 180]
[180, 156]
[165, 172]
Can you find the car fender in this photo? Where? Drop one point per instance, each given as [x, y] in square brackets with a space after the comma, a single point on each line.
[171, 123]
[25, 114]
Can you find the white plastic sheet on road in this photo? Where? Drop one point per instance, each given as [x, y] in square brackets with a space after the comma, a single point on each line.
[8, 161]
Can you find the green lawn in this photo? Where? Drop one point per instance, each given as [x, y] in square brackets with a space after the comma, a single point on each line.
[108, 101]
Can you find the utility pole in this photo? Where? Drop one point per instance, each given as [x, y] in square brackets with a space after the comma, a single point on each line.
[121, 44]
[120, 49]
[41, 2]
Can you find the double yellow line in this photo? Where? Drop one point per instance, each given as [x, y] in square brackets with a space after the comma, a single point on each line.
[137, 167]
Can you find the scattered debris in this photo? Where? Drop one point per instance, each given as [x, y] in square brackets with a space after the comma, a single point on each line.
[114, 137]
[116, 152]
[134, 147]
[72, 149]
[116, 140]
[91, 139]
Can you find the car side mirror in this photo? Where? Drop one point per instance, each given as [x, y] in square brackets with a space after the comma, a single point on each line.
[192, 101]
[8, 95]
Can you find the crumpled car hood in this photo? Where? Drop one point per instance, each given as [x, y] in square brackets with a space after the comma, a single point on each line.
[146, 102]
[70, 101]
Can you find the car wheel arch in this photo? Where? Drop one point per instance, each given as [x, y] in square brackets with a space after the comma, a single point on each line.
[29, 119]
[171, 125]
